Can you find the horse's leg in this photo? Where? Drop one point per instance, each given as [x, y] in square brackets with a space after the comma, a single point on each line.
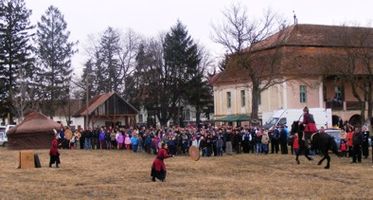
[307, 152]
[322, 160]
[328, 160]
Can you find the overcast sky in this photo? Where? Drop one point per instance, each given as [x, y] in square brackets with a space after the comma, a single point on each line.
[150, 17]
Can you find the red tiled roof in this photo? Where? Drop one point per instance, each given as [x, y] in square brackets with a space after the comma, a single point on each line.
[96, 102]
[317, 36]
[303, 50]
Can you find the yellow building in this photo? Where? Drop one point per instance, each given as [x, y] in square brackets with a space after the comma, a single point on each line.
[311, 58]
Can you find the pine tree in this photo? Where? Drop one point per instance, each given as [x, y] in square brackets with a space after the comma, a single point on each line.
[181, 61]
[54, 51]
[88, 78]
[15, 50]
[109, 62]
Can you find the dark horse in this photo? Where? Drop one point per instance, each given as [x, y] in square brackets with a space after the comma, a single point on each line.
[319, 141]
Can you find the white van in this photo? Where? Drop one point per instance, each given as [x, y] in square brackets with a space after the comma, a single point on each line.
[322, 117]
[3, 136]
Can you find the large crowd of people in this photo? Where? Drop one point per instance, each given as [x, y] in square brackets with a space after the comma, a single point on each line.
[212, 141]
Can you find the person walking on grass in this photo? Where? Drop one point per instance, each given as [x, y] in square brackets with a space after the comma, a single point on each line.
[53, 152]
[158, 170]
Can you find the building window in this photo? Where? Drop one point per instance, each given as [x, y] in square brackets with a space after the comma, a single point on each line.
[243, 98]
[141, 120]
[338, 96]
[302, 94]
[229, 100]
[187, 114]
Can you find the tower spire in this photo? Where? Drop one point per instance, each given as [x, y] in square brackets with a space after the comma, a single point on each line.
[295, 18]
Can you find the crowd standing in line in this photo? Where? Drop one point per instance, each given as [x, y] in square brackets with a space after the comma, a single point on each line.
[212, 141]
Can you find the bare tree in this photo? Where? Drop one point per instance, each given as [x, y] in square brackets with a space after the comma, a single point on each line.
[244, 38]
[111, 56]
[127, 56]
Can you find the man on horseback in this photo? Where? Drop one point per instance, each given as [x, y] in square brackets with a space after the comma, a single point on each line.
[309, 128]
[309, 136]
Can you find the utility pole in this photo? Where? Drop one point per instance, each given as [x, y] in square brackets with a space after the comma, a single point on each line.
[88, 81]
[86, 124]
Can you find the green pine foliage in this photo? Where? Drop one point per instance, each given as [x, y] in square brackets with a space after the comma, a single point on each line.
[54, 53]
[15, 51]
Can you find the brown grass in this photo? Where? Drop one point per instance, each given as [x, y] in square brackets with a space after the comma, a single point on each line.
[125, 175]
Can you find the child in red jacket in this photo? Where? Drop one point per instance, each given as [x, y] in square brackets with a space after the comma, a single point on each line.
[343, 148]
[296, 147]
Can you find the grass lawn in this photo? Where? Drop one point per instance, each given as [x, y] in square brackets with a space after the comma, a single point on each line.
[125, 175]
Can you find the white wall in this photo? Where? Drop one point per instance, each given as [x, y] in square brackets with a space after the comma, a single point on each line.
[220, 99]
[284, 95]
[76, 121]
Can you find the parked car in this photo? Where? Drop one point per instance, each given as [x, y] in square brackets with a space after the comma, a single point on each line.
[336, 134]
[3, 134]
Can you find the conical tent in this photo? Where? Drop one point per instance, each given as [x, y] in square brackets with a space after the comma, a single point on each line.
[34, 132]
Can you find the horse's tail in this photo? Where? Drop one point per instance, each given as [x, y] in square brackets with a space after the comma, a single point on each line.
[333, 146]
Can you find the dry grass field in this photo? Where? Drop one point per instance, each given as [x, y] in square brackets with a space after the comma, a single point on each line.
[125, 175]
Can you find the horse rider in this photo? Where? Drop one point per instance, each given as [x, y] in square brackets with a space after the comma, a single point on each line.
[309, 128]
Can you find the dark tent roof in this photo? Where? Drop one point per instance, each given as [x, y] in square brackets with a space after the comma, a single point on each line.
[34, 132]
[35, 122]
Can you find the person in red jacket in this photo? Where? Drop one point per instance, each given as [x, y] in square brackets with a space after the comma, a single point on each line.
[53, 153]
[343, 148]
[159, 168]
[349, 136]
[296, 147]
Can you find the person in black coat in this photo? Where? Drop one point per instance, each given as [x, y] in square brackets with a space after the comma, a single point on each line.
[357, 140]
[365, 142]
[82, 138]
[283, 140]
[275, 137]
[371, 139]
[253, 140]
[237, 141]
[246, 139]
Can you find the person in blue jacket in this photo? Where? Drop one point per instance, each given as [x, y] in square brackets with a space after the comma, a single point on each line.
[134, 143]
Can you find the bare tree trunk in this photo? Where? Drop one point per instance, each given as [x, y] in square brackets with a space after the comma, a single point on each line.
[163, 119]
[198, 116]
[370, 103]
[362, 113]
[255, 100]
